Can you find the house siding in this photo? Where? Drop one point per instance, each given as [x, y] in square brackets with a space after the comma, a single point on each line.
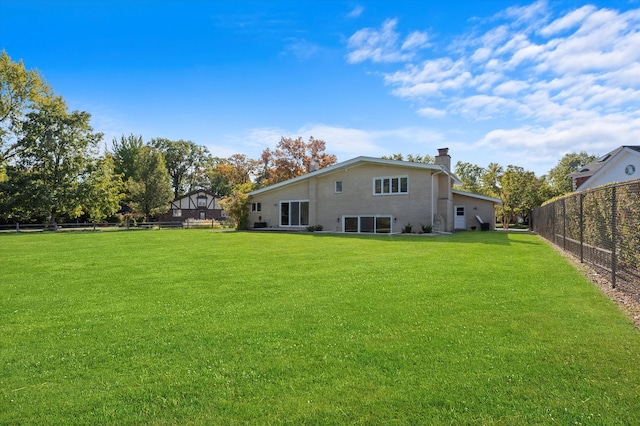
[188, 204]
[476, 207]
[327, 208]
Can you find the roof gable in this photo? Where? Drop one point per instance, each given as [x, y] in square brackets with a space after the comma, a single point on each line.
[354, 162]
[597, 170]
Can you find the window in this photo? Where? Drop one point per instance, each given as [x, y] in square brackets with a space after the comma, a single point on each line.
[202, 201]
[391, 185]
[294, 213]
[177, 213]
[338, 187]
[368, 224]
[256, 207]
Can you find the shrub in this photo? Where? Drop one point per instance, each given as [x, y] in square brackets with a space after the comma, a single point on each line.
[314, 228]
[427, 229]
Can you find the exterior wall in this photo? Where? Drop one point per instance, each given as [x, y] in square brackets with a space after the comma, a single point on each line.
[328, 208]
[614, 170]
[476, 207]
[189, 209]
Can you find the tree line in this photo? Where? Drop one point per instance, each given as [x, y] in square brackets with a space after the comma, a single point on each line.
[53, 168]
[520, 190]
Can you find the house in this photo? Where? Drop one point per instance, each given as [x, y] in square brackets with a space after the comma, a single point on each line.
[198, 204]
[373, 195]
[619, 165]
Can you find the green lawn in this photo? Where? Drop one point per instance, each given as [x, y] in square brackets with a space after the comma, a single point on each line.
[203, 327]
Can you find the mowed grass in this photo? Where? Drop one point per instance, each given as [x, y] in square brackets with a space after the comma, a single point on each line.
[198, 327]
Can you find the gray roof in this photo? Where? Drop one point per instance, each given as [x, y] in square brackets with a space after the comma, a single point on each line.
[592, 167]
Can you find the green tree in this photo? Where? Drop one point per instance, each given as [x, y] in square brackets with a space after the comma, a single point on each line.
[103, 189]
[125, 155]
[236, 205]
[558, 178]
[150, 189]
[185, 162]
[470, 175]
[21, 91]
[519, 190]
[491, 180]
[417, 158]
[56, 151]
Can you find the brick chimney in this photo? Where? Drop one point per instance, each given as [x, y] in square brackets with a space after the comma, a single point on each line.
[443, 158]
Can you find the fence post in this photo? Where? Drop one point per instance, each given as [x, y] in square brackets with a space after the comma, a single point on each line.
[553, 222]
[17, 226]
[564, 224]
[614, 211]
[581, 197]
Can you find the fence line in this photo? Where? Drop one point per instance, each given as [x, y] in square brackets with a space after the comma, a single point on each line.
[601, 227]
[39, 227]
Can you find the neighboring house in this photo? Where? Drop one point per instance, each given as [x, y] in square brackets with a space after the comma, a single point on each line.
[372, 195]
[619, 165]
[194, 205]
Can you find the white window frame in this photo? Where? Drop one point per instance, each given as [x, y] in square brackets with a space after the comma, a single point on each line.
[300, 217]
[338, 190]
[386, 185]
[177, 213]
[201, 201]
[256, 207]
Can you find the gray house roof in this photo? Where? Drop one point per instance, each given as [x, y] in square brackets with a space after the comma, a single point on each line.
[592, 167]
[354, 162]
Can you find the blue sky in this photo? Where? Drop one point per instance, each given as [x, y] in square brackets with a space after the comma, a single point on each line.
[519, 83]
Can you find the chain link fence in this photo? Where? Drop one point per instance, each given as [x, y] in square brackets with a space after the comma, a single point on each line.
[601, 227]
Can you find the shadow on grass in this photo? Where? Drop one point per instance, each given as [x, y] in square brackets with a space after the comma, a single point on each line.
[470, 237]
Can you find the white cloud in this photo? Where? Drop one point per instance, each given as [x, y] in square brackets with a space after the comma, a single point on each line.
[415, 40]
[571, 20]
[384, 44]
[355, 12]
[301, 49]
[432, 112]
[567, 81]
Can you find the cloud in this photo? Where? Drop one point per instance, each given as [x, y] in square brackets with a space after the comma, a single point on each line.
[384, 44]
[355, 12]
[301, 49]
[432, 112]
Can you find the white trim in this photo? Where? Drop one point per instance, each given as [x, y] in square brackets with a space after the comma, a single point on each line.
[478, 196]
[383, 178]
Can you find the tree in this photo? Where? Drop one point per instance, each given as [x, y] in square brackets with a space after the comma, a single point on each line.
[125, 155]
[519, 190]
[150, 189]
[491, 180]
[185, 162]
[21, 91]
[471, 176]
[56, 151]
[103, 189]
[558, 177]
[236, 205]
[293, 158]
[426, 159]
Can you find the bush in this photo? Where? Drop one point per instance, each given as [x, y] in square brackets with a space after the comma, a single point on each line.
[314, 228]
[427, 229]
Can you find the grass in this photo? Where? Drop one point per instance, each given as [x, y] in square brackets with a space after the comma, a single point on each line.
[199, 327]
